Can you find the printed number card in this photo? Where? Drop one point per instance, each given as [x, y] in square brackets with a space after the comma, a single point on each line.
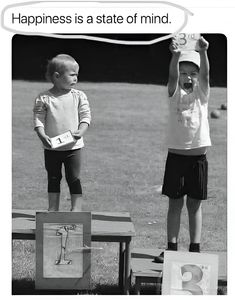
[63, 250]
[62, 140]
[188, 42]
[188, 273]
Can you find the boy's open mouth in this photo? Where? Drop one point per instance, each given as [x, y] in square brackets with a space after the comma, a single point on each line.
[188, 85]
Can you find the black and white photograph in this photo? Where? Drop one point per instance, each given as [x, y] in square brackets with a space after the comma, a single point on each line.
[133, 136]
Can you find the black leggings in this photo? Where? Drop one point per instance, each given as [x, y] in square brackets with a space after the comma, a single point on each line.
[72, 164]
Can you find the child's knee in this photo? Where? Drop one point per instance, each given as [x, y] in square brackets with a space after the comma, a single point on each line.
[54, 184]
[193, 205]
[74, 185]
[176, 204]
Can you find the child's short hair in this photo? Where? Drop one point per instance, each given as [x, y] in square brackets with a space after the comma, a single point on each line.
[57, 64]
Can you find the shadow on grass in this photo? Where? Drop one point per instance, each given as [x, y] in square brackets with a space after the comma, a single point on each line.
[27, 287]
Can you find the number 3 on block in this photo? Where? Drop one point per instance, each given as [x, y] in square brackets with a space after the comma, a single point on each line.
[196, 275]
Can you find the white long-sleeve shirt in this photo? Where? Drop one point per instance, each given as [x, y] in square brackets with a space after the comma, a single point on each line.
[58, 114]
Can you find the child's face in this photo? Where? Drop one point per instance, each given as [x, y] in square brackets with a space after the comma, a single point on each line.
[188, 76]
[68, 78]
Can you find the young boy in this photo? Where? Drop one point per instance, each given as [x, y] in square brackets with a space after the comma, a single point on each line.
[186, 168]
[60, 109]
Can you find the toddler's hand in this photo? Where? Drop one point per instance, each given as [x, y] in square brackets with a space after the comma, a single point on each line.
[46, 141]
[203, 44]
[77, 135]
[174, 47]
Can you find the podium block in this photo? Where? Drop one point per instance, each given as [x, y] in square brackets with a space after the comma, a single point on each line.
[63, 250]
[188, 273]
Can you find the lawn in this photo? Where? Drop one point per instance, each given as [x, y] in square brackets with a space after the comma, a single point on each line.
[123, 165]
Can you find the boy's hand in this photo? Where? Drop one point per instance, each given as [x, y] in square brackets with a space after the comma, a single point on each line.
[174, 47]
[203, 44]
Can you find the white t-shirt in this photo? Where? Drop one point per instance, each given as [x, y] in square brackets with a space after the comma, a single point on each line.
[188, 125]
[62, 113]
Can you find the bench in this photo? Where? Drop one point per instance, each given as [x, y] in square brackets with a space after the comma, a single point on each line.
[105, 227]
[144, 270]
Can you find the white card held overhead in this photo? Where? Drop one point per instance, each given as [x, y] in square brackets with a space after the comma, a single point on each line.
[62, 140]
[188, 41]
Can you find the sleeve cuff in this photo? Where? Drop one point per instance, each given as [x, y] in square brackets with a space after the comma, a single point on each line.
[85, 120]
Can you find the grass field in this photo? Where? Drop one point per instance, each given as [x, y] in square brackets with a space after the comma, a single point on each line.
[123, 165]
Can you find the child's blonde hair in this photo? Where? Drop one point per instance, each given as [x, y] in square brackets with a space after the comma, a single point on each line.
[58, 64]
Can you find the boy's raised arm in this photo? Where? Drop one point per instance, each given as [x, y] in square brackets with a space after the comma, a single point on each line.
[173, 68]
[204, 65]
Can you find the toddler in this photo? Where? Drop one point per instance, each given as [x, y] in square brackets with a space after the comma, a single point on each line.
[56, 111]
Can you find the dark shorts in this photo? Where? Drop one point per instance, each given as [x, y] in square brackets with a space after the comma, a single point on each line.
[185, 175]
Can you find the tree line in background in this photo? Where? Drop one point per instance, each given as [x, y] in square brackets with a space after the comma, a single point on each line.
[106, 62]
